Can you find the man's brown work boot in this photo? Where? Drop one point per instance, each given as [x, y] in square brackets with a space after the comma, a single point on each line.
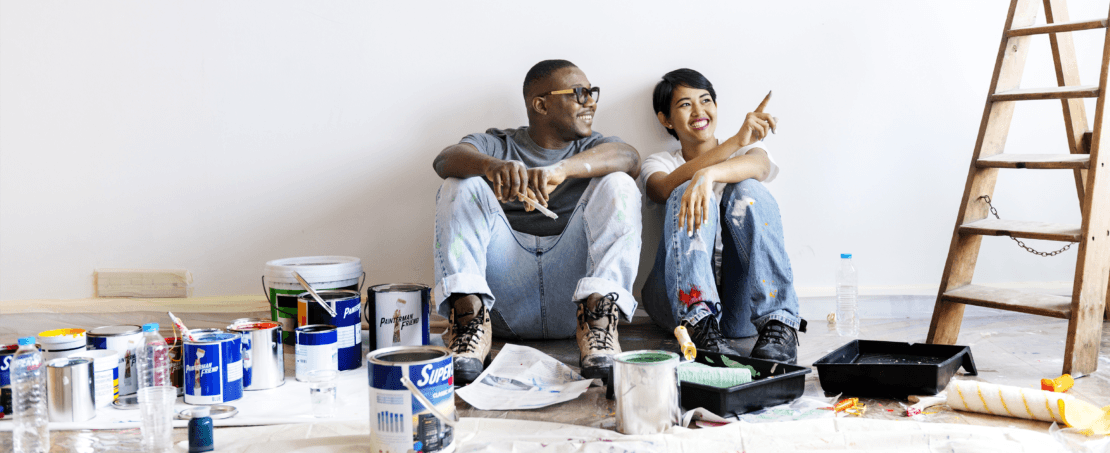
[597, 334]
[468, 336]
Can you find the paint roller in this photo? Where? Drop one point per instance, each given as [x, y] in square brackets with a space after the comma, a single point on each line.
[700, 373]
[1005, 400]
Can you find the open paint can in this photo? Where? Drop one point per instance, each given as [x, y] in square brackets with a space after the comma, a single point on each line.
[213, 369]
[347, 321]
[263, 353]
[59, 343]
[126, 341]
[316, 349]
[7, 354]
[399, 315]
[646, 391]
[70, 389]
[398, 418]
[322, 272]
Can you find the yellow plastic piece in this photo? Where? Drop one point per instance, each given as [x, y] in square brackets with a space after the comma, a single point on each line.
[1088, 418]
[684, 341]
[1059, 385]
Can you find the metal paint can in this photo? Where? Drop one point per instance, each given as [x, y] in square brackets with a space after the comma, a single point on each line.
[213, 369]
[347, 322]
[263, 353]
[7, 354]
[397, 419]
[60, 343]
[105, 374]
[646, 391]
[399, 315]
[70, 389]
[317, 349]
[197, 333]
[125, 340]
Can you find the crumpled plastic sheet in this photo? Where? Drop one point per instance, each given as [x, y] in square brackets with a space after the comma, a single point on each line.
[1078, 442]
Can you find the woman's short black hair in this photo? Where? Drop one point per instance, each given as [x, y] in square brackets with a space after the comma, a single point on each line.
[664, 90]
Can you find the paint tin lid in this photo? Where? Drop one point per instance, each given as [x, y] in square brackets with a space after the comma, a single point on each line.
[398, 288]
[10, 348]
[253, 325]
[61, 339]
[215, 412]
[217, 337]
[112, 331]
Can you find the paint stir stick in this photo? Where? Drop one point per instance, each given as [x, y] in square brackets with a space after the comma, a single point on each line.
[535, 204]
[327, 308]
[181, 326]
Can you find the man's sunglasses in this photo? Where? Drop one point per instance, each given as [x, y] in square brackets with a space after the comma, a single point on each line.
[580, 93]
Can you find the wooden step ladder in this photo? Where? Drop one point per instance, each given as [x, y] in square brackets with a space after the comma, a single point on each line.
[1089, 301]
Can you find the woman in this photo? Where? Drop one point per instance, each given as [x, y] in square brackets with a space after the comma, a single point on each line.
[721, 269]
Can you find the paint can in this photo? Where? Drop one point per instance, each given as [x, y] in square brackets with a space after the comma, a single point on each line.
[317, 349]
[125, 340]
[646, 391]
[322, 272]
[399, 315]
[105, 375]
[7, 353]
[397, 419]
[61, 343]
[213, 369]
[263, 353]
[347, 321]
[197, 333]
[69, 389]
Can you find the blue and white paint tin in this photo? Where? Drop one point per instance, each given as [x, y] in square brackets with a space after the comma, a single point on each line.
[398, 314]
[398, 421]
[317, 349]
[347, 322]
[213, 369]
[7, 354]
[105, 375]
[126, 341]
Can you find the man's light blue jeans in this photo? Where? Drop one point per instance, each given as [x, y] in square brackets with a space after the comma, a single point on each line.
[530, 283]
[757, 284]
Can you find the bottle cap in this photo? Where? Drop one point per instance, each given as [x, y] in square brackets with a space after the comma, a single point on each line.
[27, 341]
[201, 411]
[151, 327]
[845, 255]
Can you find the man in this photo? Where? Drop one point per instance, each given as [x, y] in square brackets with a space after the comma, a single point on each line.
[502, 266]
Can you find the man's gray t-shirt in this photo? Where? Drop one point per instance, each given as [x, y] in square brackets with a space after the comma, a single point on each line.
[515, 144]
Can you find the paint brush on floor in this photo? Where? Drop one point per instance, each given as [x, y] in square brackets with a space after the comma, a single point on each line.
[535, 204]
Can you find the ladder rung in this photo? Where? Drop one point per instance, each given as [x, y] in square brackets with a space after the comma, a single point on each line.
[1036, 161]
[1023, 229]
[1011, 300]
[1032, 94]
[1056, 28]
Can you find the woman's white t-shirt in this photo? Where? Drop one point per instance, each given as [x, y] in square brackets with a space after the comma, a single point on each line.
[669, 161]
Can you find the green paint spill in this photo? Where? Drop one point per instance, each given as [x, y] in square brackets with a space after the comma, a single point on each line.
[457, 246]
[648, 358]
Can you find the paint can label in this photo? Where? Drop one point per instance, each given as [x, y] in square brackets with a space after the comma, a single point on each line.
[400, 316]
[347, 322]
[213, 369]
[128, 348]
[317, 349]
[7, 351]
[397, 419]
[106, 386]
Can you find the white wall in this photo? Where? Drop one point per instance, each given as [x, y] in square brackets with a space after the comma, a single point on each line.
[214, 136]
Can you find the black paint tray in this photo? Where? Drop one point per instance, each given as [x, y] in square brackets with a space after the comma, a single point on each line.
[890, 369]
[776, 384]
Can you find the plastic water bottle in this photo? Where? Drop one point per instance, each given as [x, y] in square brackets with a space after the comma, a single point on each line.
[31, 433]
[154, 358]
[847, 284]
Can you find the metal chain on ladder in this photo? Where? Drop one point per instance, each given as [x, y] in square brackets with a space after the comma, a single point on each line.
[1019, 243]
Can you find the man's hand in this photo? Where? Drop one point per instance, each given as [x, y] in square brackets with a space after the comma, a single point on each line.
[757, 124]
[509, 178]
[543, 180]
[696, 202]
